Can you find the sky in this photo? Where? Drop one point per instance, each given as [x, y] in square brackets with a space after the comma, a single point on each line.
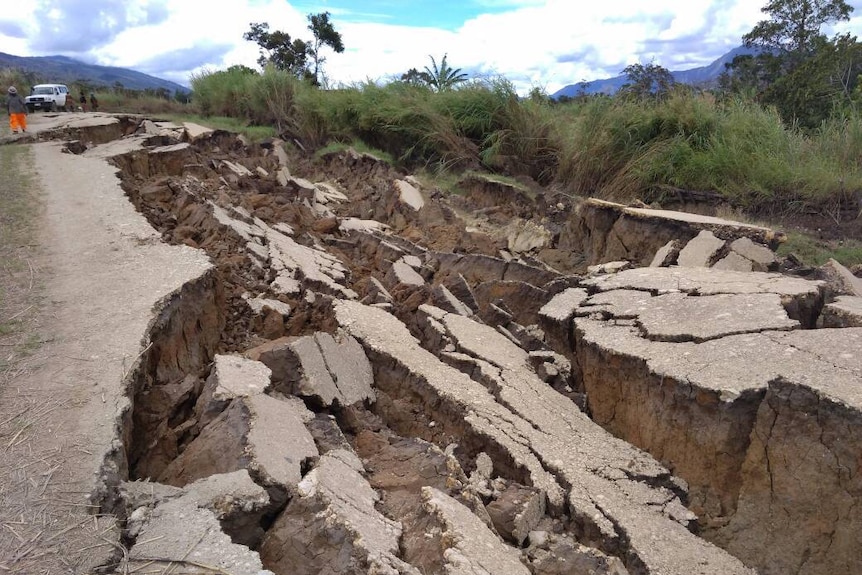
[543, 44]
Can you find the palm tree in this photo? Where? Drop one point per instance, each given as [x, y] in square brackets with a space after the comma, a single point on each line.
[442, 78]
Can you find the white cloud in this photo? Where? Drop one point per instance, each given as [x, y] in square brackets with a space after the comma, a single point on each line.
[549, 43]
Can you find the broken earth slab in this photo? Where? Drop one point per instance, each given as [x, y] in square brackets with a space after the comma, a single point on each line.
[293, 263]
[681, 317]
[195, 132]
[409, 195]
[555, 318]
[186, 528]
[330, 370]
[620, 498]
[697, 408]
[317, 268]
[700, 251]
[332, 525]
[799, 508]
[261, 305]
[231, 377]
[800, 297]
[469, 546]
[845, 311]
[606, 231]
[260, 433]
[840, 280]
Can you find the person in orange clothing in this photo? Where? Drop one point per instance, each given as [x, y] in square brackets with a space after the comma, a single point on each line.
[17, 110]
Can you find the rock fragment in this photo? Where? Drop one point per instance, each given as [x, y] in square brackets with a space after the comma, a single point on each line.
[409, 195]
[845, 311]
[231, 377]
[700, 251]
[735, 262]
[470, 547]
[401, 274]
[609, 268]
[265, 435]
[666, 255]
[761, 257]
[184, 528]
[332, 526]
[517, 511]
[839, 279]
[553, 554]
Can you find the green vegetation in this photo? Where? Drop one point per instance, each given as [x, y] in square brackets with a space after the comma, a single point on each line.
[653, 139]
[814, 252]
[806, 76]
[609, 147]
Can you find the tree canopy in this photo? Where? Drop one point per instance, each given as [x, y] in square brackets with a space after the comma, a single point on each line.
[800, 71]
[647, 81]
[794, 25]
[299, 57]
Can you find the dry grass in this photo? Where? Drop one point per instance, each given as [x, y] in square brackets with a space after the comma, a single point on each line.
[40, 522]
[19, 301]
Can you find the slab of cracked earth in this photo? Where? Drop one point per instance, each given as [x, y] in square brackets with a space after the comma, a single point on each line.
[707, 410]
[621, 496]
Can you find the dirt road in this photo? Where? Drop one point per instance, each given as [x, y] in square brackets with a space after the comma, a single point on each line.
[101, 268]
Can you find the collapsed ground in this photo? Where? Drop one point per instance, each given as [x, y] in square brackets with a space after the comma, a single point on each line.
[375, 377]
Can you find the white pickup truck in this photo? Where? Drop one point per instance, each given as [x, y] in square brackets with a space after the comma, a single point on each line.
[49, 97]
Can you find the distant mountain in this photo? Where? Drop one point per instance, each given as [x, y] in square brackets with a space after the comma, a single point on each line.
[695, 77]
[60, 69]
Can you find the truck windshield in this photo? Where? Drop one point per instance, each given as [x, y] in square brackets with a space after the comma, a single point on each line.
[43, 90]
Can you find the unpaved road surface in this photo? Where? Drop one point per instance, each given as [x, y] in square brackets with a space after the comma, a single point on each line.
[259, 362]
[102, 267]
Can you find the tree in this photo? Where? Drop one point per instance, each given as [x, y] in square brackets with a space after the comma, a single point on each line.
[647, 81]
[278, 49]
[799, 71]
[444, 77]
[324, 35]
[794, 25]
[300, 58]
[416, 78]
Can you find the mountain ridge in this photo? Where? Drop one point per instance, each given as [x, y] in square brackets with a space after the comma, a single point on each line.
[63, 69]
[693, 76]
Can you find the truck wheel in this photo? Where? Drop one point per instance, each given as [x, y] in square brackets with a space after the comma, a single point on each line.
[50, 107]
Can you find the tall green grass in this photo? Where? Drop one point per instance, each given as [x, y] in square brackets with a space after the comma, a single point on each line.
[600, 146]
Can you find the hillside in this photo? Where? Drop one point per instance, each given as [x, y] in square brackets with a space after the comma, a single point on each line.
[694, 76]
[68, 70]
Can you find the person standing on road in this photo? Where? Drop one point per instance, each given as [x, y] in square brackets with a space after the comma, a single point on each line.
[17, 110]
[83, 101]
[94, 103]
